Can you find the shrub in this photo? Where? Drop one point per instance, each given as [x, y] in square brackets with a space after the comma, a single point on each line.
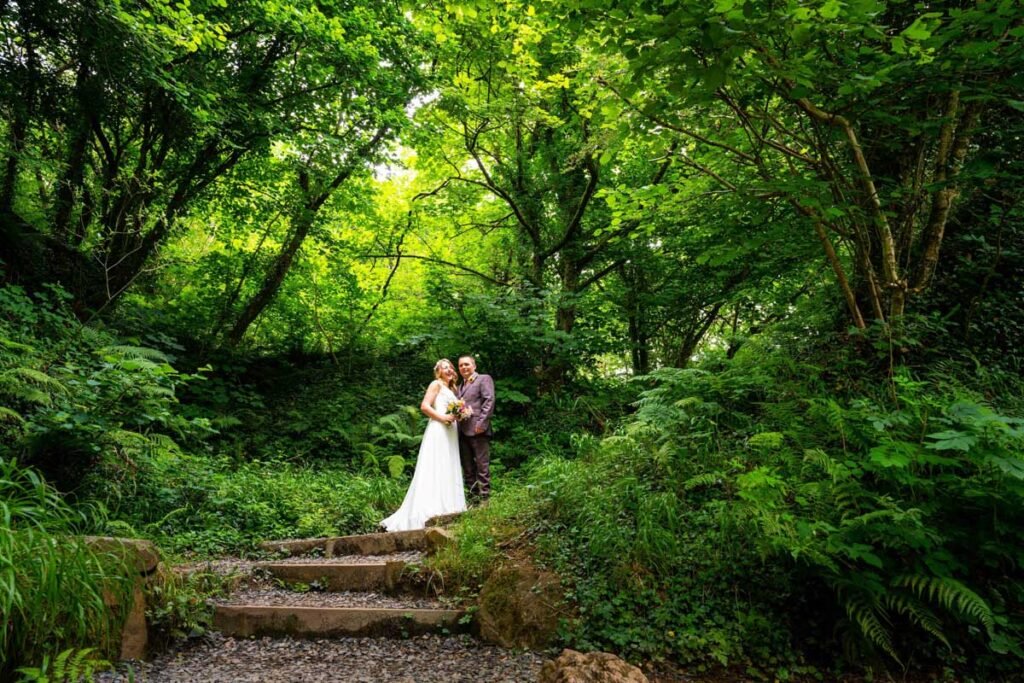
[78, 398]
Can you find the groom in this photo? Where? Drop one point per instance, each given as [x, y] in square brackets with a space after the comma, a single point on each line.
[475, 432]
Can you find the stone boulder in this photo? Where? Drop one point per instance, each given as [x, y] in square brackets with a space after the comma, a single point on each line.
[437, 538]
[520, 606]
[143, 558]
[592, 667]
[137, 552]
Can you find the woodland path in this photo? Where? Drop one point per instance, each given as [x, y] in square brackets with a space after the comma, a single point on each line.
[345, 609]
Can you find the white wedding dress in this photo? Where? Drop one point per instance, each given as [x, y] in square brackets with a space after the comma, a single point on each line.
[436, 487]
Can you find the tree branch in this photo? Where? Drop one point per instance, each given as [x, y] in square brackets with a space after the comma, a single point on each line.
[432, 259]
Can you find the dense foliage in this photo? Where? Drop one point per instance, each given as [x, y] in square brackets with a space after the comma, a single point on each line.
[748, 276]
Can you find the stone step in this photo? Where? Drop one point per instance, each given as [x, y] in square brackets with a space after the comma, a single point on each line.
[331, 576]
[426, 540]
[323, 622]
[378, 544]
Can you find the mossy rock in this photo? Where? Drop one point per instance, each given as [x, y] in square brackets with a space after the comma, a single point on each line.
[520, 607]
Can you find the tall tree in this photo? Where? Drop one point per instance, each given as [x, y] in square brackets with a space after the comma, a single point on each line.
[862, 116]
[514, 120]
[121, 115]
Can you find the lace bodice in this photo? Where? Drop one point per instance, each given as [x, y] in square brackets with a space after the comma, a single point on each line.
[443, 398]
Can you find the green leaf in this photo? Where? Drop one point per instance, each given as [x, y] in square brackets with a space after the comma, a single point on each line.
[893, 454]
[951, 440]
[830, 10]
[714, 77]
[918, 31]
[1011, 466]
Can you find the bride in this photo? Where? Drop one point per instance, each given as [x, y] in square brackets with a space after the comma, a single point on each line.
[436, 487]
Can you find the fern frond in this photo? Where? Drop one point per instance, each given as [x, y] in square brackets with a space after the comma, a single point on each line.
[135, 352]
[895, 515]
[396, 466]
[917, 613]
[768, 441]
[16, 346]
[91, 334]
[36, 377]
[127, 439]
[701, 480]
[60, 665]
[952, 595]
[164, 443]
[8, 414]
[834, 415]
[846, 496]
[27, 394]
[825, 462]
[868, 619]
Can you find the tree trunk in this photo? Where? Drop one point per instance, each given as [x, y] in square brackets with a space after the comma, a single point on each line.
[275, 276]
[634, 279]
[303, 222]
[81, 134]
[17, 131]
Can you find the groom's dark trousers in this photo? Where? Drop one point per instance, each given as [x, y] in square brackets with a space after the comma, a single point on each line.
[475, 454]
[474, 448]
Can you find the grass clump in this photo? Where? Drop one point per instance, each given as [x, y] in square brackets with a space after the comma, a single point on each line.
[54, 589]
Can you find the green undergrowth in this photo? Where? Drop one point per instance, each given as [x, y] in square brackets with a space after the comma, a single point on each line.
[480, 535]
[208, 506]
[782, 515]
[178, 604]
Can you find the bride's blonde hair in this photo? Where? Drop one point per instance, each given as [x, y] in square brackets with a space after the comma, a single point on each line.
[437, 372]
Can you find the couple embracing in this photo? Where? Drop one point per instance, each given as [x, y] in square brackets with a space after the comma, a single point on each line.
[459, 432]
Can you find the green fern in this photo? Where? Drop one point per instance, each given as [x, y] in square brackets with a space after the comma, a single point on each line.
[832, 467]
[833, 414]
[135, 352]
[163, 443]
[703, 480]
[847, 497]
[952, 595]
[16, 346]
[126, 439]
[396, 466]
[868, 618]
[27, 393]
[918, 614]
[92, 335]
[766, 441]
[10, 415]
[32, 376]
[70, 666]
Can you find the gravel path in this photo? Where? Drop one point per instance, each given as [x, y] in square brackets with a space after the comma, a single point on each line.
[408, 557]
[425, 659]
[266, 595]
[239, 565]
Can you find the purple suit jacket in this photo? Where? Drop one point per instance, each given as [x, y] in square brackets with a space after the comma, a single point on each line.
[478, 395]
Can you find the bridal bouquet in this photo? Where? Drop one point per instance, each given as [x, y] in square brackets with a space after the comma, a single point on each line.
[459, 409]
